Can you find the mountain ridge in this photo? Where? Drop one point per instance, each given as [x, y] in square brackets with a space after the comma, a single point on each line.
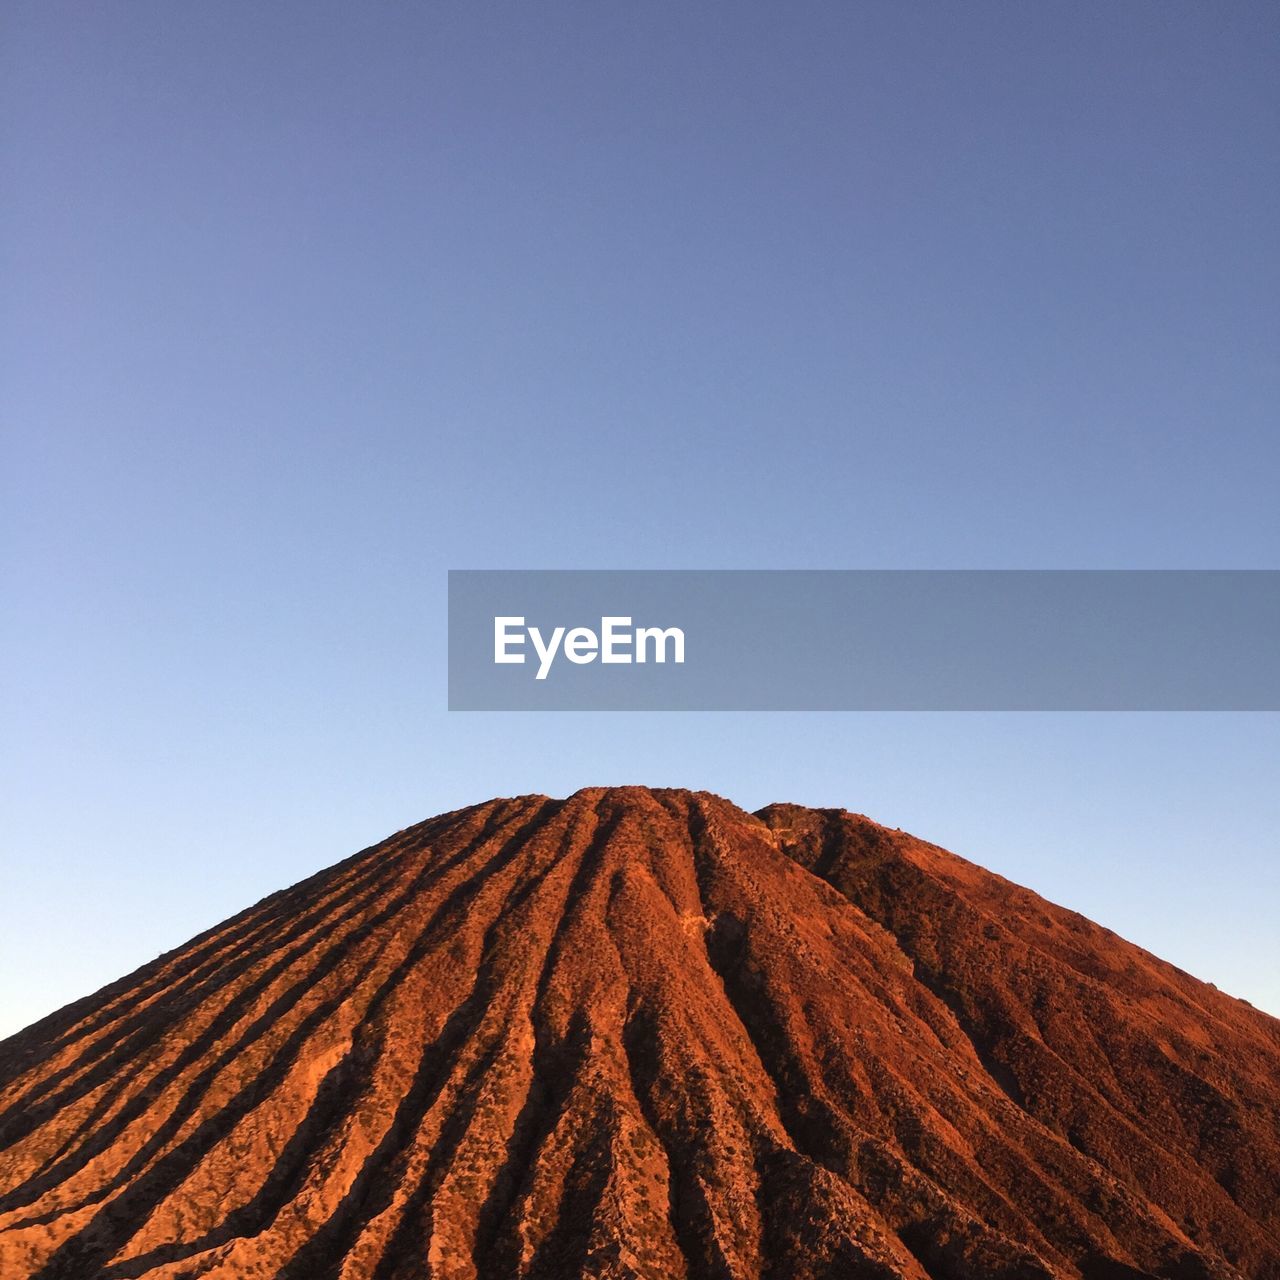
[641, 1032]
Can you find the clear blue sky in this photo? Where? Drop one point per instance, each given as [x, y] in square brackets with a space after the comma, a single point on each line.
[307, 303]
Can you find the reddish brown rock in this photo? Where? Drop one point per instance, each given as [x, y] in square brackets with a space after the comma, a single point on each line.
[645, 1034]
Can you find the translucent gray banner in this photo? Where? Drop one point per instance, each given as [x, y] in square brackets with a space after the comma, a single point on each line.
[864, 640]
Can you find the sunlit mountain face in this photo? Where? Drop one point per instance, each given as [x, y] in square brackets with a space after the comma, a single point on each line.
[643, 1033]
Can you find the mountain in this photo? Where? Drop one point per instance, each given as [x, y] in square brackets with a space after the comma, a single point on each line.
[646, 1034]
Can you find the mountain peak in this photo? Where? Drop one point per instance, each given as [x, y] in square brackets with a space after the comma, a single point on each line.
[642, 1033]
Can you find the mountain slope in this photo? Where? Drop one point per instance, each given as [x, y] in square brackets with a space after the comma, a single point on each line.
[643, 1033]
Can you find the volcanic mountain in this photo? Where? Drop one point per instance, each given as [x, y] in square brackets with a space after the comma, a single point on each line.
[646, 1034]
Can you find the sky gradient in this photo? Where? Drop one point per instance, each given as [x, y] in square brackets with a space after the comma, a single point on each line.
[307, 304]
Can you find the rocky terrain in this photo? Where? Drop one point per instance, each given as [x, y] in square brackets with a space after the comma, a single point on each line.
[646, 1034]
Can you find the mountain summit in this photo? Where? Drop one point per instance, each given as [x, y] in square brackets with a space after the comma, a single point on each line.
[643, 1033]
